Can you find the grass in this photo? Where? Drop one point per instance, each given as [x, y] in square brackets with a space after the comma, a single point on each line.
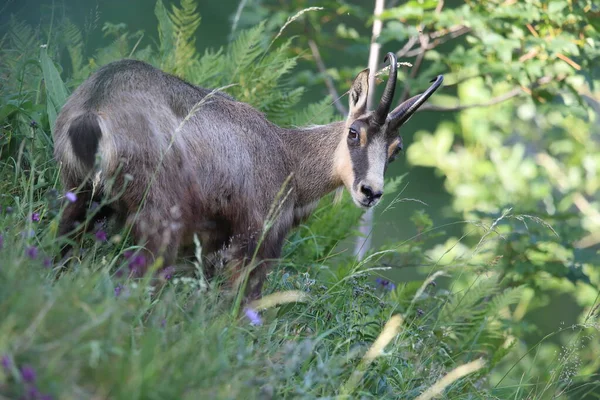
[324, 329]
[95, 332]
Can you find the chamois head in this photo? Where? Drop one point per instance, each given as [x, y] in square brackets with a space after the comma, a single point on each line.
[371, 140]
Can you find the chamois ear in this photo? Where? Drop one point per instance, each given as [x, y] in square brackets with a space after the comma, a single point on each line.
[358, 94]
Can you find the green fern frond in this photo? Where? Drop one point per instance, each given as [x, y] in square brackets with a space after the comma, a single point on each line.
[166, 36]
[463, 308]
[245, 50]
[73, 40]
[20, 47]
[186, 21]
[208, 71]
[176, 29]
[505, 299]
[145, 54]
[118, 49]
[280, 108]
[22, 36]
[393, 184]
[318, 113]
[271, 67]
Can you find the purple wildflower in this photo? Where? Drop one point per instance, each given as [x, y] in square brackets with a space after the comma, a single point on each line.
[6, 363]
[1, 241]
[253, 316]
[47, 262]
[35, 217]
[71, 197]
[101, 236]
[46, 397]
[167, 273]
[138, 261]
[28, 374]
[31, 252]
[384, 283]
[33, 124]
[8, 210]
[137, 265]
[163, 323]
[118, 290]
[33, 393]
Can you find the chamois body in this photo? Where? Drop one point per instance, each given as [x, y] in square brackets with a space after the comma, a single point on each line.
[200, 163]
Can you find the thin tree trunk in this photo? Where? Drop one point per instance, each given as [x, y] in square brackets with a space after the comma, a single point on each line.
[363, 242]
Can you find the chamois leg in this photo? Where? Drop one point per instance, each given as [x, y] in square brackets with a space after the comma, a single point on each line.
[159, 236]
[216, 250]
[268, 254]
[74, 214]
[269, 251]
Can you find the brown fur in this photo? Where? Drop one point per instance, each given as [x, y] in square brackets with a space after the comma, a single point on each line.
[216, 175]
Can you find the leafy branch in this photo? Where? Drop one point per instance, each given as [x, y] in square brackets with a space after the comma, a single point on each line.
[433, 39]
[496, 100]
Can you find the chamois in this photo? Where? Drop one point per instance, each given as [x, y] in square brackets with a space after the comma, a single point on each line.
[199, 162]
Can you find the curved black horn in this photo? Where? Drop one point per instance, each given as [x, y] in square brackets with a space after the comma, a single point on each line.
[404, 111]
[388, 94]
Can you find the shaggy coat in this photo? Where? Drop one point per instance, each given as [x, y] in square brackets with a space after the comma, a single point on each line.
[177, 160]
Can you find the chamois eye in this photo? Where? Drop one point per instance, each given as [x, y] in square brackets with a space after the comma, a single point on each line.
[353, 134]
[395, 152]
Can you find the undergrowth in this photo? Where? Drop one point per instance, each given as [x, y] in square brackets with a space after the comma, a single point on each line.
[328, 325]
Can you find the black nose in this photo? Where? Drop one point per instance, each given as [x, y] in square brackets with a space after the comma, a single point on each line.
[369, 193]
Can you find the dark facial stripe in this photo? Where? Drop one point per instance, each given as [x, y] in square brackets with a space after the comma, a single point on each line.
[359, 156]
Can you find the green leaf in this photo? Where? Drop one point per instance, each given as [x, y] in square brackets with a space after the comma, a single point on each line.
[556, 7]
[7, 110]
[56, 90]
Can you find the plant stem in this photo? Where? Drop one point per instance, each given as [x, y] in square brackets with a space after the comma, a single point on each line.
[363, 242]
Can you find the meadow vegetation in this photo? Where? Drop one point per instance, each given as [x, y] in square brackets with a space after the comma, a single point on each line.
[330, 326]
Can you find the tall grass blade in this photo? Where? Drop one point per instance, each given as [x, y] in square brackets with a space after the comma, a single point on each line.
[390, 330]
[450, 378]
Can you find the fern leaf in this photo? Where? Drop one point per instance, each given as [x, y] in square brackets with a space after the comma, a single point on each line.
[245, 50]
[465, 307]
[166, 36]
[315, 114]
[208, 71]
[507, 298]
[22, 36]
[73, 40]
[185, 22]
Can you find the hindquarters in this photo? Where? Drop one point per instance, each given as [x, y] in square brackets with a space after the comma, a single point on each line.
[77, 139]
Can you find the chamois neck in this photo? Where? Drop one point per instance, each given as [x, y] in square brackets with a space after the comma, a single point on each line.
[311, 151]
